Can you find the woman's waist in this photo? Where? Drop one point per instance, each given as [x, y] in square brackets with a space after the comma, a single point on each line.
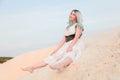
[78, 41]
[71, 37]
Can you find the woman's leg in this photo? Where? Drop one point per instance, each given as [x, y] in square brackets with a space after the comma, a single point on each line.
[39, 65]
[60, 66]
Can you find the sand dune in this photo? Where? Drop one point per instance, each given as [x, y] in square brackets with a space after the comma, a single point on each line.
[99, 61]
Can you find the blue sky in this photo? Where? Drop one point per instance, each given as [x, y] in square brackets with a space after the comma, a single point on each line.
[28, 25]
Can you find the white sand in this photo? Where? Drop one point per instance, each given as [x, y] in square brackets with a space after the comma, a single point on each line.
[99, 61]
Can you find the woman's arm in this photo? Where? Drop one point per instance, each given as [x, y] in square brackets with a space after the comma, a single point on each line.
[62, 41]
[59, 45]
[77, 35]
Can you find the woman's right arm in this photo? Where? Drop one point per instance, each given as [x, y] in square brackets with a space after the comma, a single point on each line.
[60, 44]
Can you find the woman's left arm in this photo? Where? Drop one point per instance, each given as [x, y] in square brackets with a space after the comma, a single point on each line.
[77, 35]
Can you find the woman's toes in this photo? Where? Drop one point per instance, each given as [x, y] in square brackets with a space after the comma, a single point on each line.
[23, 68]
[58, 67]
[30, 69]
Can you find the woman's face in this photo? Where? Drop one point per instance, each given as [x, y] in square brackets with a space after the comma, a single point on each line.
[72, 16]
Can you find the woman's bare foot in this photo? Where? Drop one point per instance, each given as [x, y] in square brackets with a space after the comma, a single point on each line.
[58, 67]
[52, 67]
[30, 69]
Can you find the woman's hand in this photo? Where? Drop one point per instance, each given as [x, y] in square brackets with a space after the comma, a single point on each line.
[69, 49]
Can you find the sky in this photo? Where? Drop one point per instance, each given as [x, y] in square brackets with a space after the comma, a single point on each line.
[27, 25]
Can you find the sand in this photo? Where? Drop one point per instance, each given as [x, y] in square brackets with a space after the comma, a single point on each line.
[99, 61]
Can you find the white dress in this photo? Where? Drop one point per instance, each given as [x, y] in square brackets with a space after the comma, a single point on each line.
[61, 54]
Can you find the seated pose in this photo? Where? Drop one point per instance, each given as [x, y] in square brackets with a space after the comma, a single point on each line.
[68, 50]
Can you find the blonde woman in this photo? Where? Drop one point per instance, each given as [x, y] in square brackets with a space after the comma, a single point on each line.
[69, 49]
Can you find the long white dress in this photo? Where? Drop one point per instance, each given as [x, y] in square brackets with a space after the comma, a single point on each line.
[61, 54]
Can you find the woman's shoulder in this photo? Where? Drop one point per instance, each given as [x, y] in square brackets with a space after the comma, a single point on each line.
[80, 25]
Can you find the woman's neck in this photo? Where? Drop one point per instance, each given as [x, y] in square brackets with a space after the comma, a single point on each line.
[73, 22]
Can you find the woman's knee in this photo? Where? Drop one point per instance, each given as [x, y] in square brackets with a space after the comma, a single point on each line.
[67, 60]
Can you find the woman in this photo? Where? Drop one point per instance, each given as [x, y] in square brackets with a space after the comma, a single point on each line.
[68, 50]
